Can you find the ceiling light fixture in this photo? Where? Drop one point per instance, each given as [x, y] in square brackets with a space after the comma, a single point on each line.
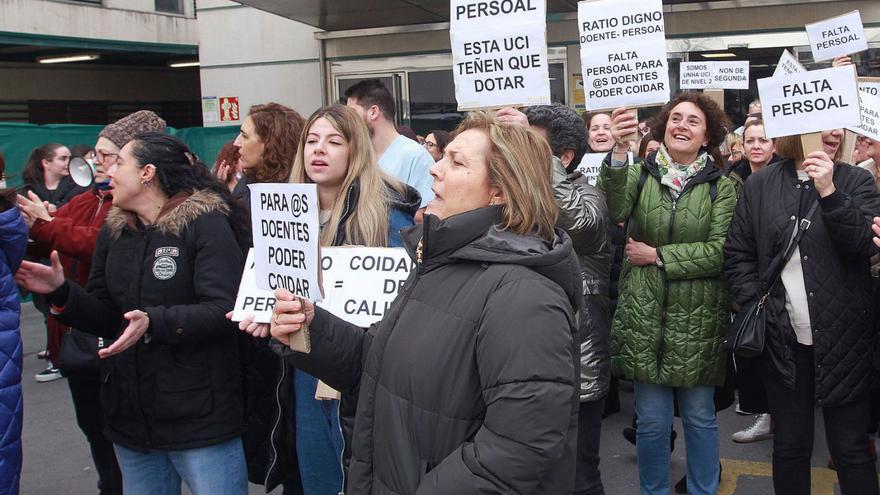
[178, 65]
[67, 58]
[718, 55]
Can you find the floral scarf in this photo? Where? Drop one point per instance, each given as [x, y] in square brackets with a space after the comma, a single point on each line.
[674, 175]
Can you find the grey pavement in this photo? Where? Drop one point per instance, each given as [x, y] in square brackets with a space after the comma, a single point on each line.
[57, 461]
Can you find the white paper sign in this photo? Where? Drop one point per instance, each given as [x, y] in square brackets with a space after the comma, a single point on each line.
[499, 53]
[872, 86]
[812, 101]
[870, 127]
[623, 53]
[591, 165]
[714, 75]
[251, 300]
[788, 65]
[361, 283]
[838, 36]
[285, 230]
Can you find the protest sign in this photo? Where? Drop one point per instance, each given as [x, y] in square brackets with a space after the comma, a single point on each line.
[285, 231]
[870, 125]
[360, 283]
[623, 53]
[714, 75]
[251, 300]
[812, 101]
[870, 85]
[591, 165]
[499, 53]
[788, 65]
[838, 36]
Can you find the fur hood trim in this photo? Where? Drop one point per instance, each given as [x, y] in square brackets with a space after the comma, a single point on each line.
[174, 220]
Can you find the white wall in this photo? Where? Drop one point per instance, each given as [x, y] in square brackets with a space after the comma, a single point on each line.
[258, 57]
[46, 17]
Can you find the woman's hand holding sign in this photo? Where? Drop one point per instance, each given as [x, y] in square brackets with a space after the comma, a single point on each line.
[820, 168]
[290, 315]
[624, 127]
[876, 228]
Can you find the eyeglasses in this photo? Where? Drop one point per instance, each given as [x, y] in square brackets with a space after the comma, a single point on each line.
[429, 144]
[103, 155]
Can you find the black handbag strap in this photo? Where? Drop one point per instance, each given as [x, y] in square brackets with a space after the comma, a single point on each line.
[792, 245]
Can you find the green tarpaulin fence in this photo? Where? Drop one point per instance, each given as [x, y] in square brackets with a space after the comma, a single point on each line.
[17, 141]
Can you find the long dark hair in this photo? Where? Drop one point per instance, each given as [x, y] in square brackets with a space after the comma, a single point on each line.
[33, 172]
[179, 170]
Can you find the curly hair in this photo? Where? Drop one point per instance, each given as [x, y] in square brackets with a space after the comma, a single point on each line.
[565, 129]
[717, 122]
[280, 129]
[228, 155]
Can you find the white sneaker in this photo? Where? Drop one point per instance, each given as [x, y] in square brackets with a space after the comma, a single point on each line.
[760, 430]
[48, 375]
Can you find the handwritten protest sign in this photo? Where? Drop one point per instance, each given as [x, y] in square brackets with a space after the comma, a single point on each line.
[591, 165]
[841, 35]
[623, 53]
[360, 283]
[714, 75]
[251, 300]
[870, 85]
[788, 65]
[499, 53]
[870, 126]
[809, 102]
[285, 231]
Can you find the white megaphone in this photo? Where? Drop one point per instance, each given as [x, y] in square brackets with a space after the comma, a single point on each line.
[81, 172]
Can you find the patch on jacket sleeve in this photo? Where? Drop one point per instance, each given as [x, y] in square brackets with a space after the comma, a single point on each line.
[164, 267]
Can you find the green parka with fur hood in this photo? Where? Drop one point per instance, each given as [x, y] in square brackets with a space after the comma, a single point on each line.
[670, 321]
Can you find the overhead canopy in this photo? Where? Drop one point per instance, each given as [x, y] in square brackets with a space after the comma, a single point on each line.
[339, 15]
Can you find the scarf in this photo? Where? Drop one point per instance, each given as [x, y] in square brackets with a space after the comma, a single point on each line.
[675, 175]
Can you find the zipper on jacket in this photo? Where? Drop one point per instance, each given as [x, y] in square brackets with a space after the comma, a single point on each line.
[277, 422]
[664, 312]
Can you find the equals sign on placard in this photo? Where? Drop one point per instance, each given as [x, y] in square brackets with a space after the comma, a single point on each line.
[337, 284]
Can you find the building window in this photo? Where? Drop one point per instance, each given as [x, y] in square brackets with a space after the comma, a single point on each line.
[171, 6]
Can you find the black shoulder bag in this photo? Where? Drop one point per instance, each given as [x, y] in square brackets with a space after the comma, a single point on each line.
[745, 337]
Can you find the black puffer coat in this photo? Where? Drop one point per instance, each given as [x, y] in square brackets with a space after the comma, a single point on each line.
[469, 383]
[175, 389]
[835, 254]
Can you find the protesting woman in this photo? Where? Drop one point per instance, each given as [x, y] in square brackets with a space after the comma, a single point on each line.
[457, 392]
[820, 337]
[673, 309]
[435, 143]
[165, 269]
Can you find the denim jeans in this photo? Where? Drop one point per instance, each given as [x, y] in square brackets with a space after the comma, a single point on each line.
[846, 429]
[654, 408]
[215, 470]
[588, 479]
[318, 439]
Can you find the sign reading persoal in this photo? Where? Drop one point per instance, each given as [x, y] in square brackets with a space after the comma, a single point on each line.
[499, 52]
[809, 102]
[623, 53]
[838, 36]
[285, 225]
[714, 75]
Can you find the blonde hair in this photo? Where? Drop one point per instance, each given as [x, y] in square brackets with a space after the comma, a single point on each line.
[368, 223]
[518, 162]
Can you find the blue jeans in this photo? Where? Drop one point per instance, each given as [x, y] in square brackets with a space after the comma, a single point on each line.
[216, 470]
[654, 409]
[318, 439]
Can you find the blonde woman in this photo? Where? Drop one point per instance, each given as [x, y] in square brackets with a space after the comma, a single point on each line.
[359, 205]
[469, 383]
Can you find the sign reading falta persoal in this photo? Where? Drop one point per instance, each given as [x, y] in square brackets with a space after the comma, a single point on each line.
[623, 53]
[285, 230]
[499, 53]
[809, 102]
[838, 36]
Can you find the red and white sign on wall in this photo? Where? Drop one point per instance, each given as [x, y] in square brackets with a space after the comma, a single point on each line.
[229, 109]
